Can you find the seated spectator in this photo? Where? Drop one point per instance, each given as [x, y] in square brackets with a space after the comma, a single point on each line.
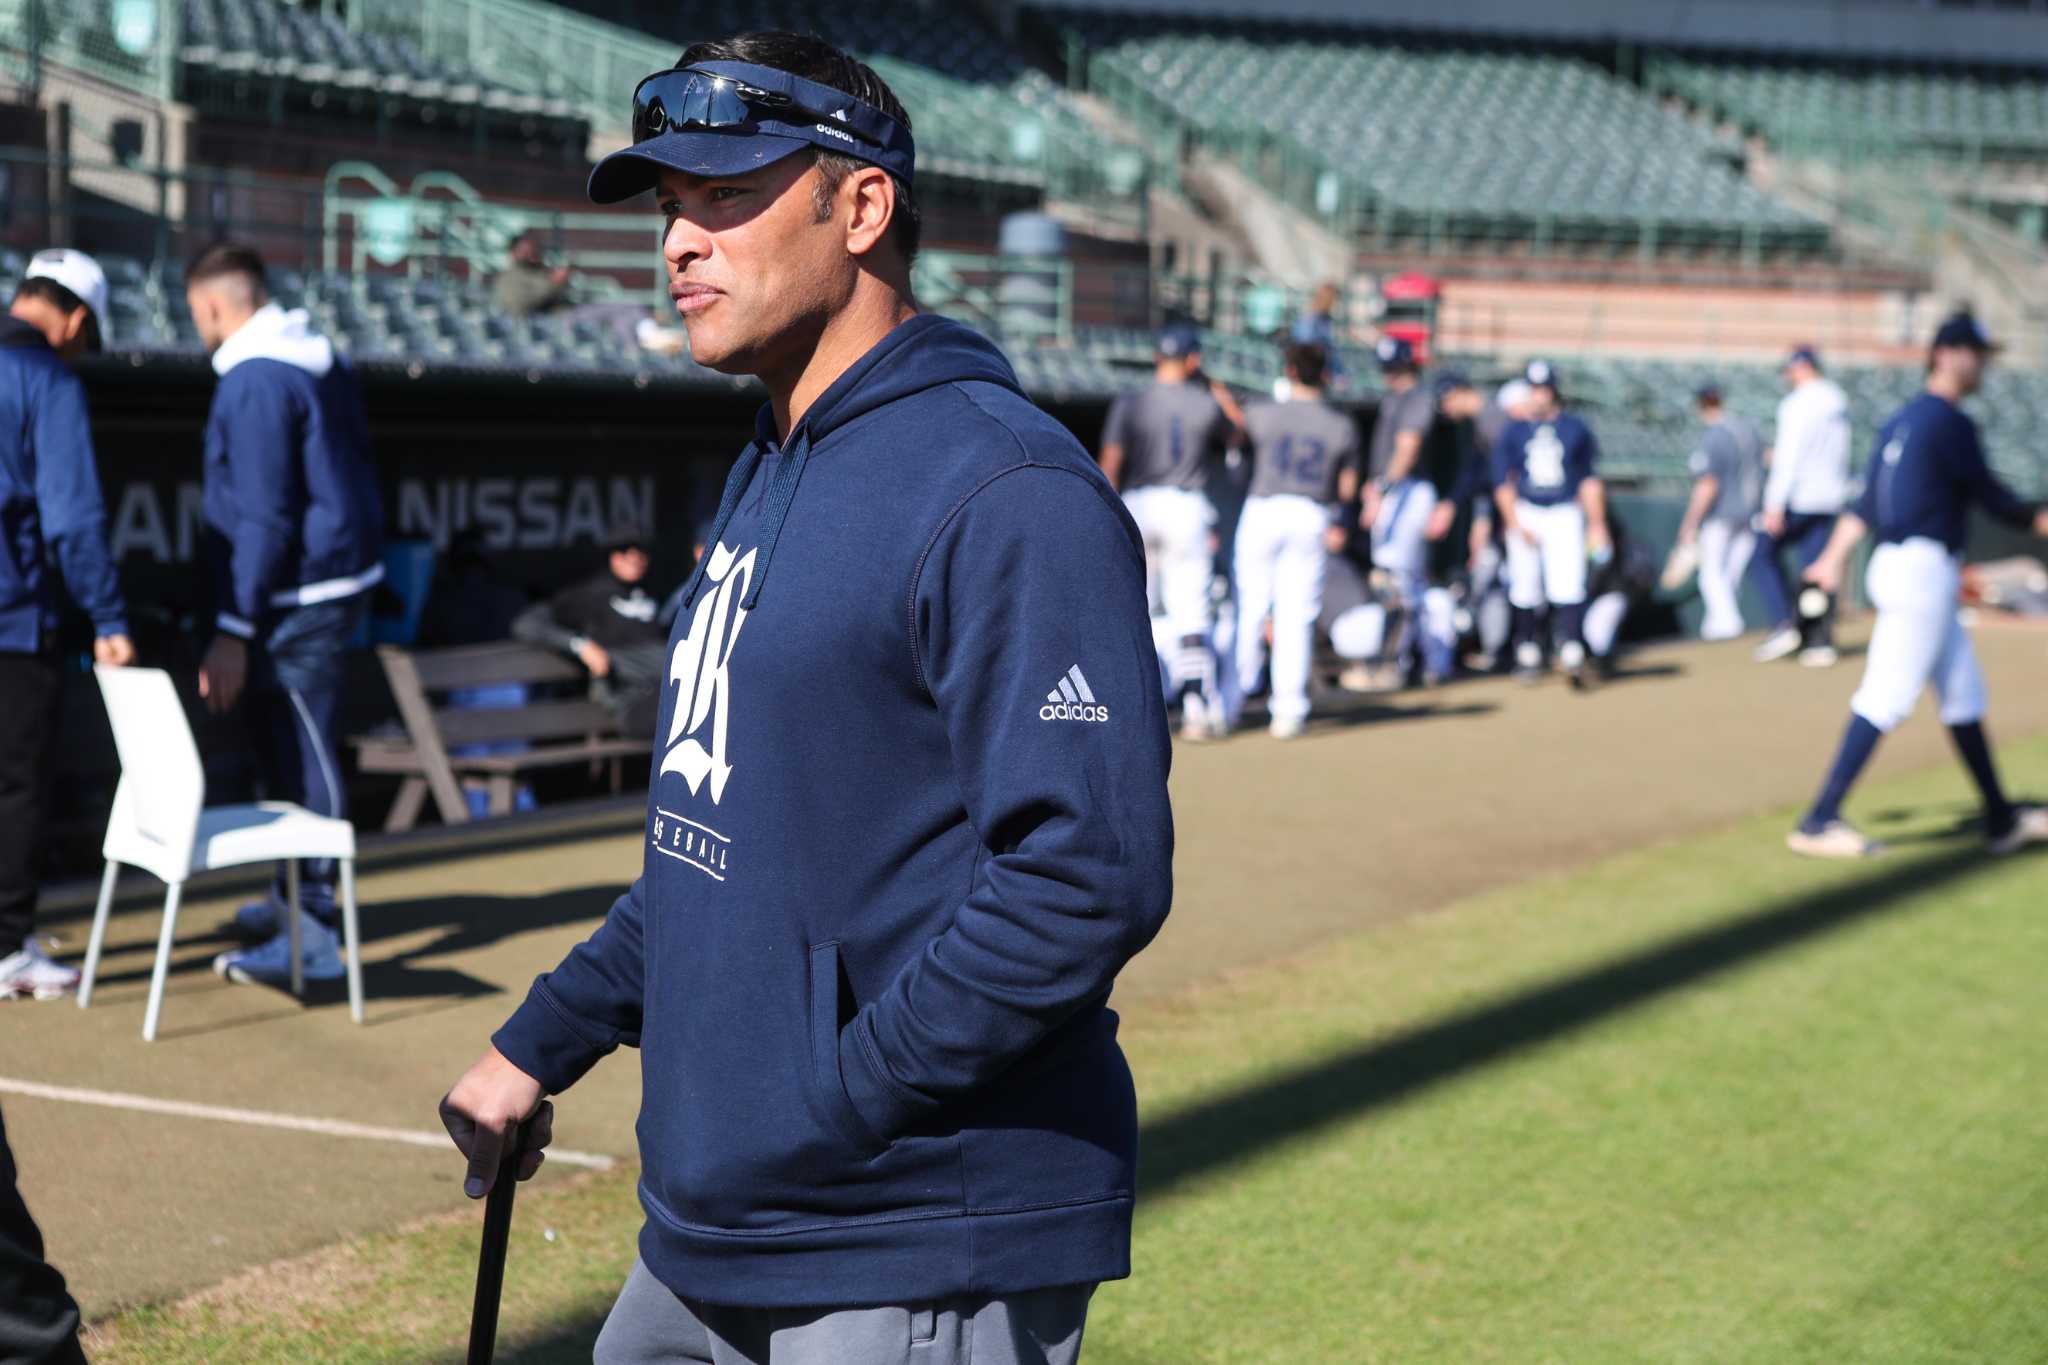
[609, 621]
[471, 602]
[526, 286]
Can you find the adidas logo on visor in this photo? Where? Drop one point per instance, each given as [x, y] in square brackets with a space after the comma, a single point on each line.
[1072, 700]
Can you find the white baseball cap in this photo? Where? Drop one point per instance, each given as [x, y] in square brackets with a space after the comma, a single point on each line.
[79, 273]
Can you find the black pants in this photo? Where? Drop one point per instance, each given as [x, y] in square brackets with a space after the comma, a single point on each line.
[38, 1319]
[29, 688]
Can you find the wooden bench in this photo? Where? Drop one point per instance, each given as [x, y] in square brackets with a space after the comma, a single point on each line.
[556, 733]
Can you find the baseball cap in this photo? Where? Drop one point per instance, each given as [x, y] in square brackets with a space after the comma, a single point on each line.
[1450, 381]
[1394, 353]
[627, 535]
[1178, 339]
[1708, 392]
[1802, 355]
[1540, 374]
[1512, 394]
[1961, 329]
[730, 118]
[79, 273]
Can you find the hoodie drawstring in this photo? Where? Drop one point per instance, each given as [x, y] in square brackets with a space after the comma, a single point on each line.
[728, 502]
[775, 511]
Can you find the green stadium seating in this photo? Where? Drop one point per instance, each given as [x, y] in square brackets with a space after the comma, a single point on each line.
[224, 43]
[2004, 114]
[1640, 409]
[1480, 144]
[981, 112]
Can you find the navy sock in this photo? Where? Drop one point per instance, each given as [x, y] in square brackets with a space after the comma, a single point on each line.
[1571, 623]
[1976, 753]
[1859, 742]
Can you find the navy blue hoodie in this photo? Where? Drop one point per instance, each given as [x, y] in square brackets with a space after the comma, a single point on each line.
[292, 512]
[49, 496]
[908, 820]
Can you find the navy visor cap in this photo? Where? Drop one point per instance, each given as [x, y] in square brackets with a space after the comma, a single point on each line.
[716, 119]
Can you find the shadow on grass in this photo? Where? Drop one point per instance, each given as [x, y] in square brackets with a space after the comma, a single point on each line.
[1237, 1127]
[466, 923]
[1221, 1132]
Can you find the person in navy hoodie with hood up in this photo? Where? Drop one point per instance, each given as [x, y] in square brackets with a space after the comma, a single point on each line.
[293, 526]
[909, 813]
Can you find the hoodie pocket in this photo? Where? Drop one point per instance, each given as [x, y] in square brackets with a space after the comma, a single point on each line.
[832, 1008]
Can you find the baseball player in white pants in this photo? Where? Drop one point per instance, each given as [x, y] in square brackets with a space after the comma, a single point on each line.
[1156, 448]
[1929, 469]
[1554, 509]
[1728, 474]
[1304, 469]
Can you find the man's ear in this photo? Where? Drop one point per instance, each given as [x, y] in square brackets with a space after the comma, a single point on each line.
[869, 196]
[74, 323]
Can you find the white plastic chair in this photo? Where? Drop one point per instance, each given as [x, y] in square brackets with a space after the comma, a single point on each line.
[162, 824]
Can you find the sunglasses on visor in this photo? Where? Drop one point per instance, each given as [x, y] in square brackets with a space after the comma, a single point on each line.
[671, 101]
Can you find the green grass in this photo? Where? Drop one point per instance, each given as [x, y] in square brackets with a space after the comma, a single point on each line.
[1700, 1102]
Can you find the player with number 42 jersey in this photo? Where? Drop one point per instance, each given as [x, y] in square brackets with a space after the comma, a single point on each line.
[1304, 468]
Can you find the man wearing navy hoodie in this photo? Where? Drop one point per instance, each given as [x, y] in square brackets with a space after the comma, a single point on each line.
[909, 812]
[292, 541]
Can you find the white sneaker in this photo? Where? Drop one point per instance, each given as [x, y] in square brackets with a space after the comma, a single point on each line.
[2029, 826]
[1290, 727]
[31, 972]
[1837, 839]
[1818, 656]
[1777, 645]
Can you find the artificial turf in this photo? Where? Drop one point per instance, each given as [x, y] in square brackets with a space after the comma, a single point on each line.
[1696, 1102]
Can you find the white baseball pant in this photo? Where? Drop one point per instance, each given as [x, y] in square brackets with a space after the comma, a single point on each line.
[1918, 637]
[1553, 569]
[1280, 563]
[1175, 524]
[1603, 622]
[1725, 548]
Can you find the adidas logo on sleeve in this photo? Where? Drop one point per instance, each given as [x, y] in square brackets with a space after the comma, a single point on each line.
[1072, 700]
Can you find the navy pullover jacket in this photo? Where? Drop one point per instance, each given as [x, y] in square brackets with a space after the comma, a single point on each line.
[908, 820]
[1926, 471]
[292, 511]
[49, 497]
[1547, 461]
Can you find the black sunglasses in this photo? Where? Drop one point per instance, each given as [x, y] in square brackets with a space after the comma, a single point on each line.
[670, 101]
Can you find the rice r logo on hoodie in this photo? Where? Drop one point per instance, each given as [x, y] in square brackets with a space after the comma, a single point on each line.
[698, 669]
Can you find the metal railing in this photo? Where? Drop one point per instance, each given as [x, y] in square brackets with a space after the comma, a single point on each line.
[128, 43]
[439, 224]
[593, 65]
[545, 49]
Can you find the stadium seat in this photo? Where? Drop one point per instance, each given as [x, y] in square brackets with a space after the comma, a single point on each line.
[2001, 114]
[1476, 148]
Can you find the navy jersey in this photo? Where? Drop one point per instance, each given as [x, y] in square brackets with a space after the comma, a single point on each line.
[1546, 461]
[1926, 471]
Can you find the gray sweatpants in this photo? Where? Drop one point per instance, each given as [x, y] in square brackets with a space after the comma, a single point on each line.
[651, 1326]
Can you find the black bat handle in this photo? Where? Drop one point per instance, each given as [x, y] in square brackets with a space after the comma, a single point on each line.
[490, 1265]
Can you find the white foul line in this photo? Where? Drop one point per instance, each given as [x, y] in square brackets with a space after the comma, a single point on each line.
[257, 1118]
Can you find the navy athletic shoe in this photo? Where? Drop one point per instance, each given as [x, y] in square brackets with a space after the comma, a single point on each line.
[270, 963]
[257, 921]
